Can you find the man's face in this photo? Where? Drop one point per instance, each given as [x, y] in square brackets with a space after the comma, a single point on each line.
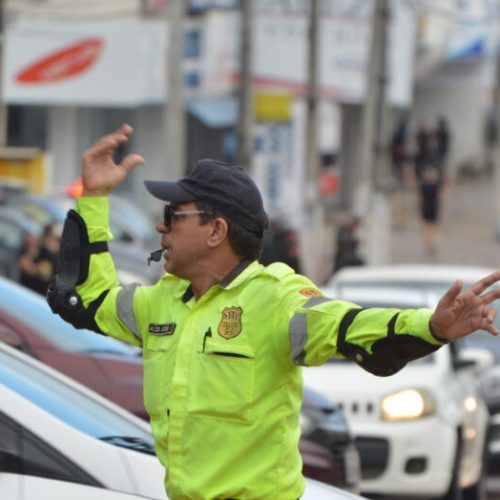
[185, 240]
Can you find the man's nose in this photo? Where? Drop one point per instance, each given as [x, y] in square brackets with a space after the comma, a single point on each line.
[162, 228]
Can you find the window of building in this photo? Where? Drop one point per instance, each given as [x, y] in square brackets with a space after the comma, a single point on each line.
[192, 79]
[192, 43]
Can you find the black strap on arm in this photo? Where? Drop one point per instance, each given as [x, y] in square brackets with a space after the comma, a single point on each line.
[389, 354]
[72, 269]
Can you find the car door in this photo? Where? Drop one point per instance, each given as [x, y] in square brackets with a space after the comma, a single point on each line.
[24, 453]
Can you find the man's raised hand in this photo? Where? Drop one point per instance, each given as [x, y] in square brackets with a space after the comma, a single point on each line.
[460, 313]
[100, 174]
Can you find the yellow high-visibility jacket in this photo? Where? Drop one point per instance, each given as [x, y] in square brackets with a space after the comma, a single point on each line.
[222, 374]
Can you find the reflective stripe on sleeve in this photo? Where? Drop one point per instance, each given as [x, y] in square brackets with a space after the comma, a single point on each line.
[298, 330]
[125, 309]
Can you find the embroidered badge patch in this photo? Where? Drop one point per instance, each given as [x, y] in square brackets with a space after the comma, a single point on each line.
[310, 292]
[230, 323]
[161, 329]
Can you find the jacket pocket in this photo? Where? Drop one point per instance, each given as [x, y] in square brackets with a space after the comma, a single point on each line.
[223, 382]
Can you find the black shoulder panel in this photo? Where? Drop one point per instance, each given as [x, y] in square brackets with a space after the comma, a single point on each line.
[389, 354]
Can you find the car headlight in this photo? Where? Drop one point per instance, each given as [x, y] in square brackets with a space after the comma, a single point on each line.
[408, 404]
[470, 404]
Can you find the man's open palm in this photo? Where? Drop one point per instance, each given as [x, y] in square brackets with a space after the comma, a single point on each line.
[100, 174]
[460, 313]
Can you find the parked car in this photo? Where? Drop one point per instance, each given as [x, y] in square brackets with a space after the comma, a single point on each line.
[128, 221]
[319, 463]
[324, 423]
[14, 225]
[24, 487]
[55, 428]
[422, 431]
[423, 285]
[111, 368]
[132, 228]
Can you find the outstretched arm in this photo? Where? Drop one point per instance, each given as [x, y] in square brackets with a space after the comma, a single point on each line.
[100, 174]
[86, 279]
[460, 313]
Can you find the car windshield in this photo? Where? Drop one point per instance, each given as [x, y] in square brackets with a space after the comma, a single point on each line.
[129, 216]
[126, 218]
[33, 311]
[67, 403]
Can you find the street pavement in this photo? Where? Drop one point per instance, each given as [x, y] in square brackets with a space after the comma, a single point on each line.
[468, 227]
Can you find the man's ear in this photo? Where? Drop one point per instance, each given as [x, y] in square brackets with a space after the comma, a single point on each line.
[218, 232]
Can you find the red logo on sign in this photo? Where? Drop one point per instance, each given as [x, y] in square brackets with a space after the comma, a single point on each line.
[63, 64]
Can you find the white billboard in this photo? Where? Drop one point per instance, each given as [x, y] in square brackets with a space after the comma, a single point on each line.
[98, 63]
[345, 34]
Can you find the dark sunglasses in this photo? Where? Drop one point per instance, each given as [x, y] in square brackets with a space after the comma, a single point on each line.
[169, 214]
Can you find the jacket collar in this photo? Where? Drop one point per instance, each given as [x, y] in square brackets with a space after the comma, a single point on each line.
[232, 279]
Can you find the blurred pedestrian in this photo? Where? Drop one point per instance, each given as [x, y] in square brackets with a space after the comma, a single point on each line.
[400, 154]
[46, 259]
[430, 195]
[401, 160]
[347, 248]
[422, 150]
[37, 259]
[26, 263]
[443, 142]
[280, 244]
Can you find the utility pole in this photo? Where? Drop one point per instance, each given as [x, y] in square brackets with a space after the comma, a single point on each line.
[370, 205]
[311, 155]
[3, 104]
[175, 118]
[495, 141]
[245, 123]
[313, 218]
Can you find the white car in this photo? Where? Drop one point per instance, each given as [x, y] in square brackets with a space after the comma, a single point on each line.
[53, 427]
[421, 432]
[420, 278]
[22, 487]
[422, 286]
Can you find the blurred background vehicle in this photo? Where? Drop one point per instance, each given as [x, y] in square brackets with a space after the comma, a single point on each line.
[324, 423]
[53, 427]
[422, 286]
[132, 228]
[111, 368]
[25, 487]
[429, 413]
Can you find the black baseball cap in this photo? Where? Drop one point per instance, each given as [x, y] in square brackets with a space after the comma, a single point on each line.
[226, 188]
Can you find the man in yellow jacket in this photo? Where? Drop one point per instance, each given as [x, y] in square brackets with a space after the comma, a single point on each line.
[223, 337]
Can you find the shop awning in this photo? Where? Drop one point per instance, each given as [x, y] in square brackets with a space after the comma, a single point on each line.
[219, 112]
